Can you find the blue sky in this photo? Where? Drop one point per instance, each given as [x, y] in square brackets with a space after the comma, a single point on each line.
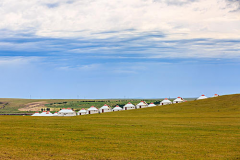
[106, 49]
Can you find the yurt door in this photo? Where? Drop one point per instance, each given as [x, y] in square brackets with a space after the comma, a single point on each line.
[89, 112]
[140, 107]
[126, 108]
[102, 110]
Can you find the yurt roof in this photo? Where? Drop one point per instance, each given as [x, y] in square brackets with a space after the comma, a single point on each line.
[179, 99]
[165, 100]
[117, 107]
[92, 108]
[142, 103]
[104, 107]
[151, 105]
[129, 105]
[82, 111]
[202, 97]
[66, 111]
[36, 114]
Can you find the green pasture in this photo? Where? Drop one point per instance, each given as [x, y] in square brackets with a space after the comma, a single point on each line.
[204, 129]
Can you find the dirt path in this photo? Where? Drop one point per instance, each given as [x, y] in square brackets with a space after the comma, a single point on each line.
[34, 106]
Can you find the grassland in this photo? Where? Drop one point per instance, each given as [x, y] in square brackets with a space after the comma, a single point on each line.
[204, 129]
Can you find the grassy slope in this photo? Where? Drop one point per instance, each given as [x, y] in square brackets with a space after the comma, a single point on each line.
[204, 129]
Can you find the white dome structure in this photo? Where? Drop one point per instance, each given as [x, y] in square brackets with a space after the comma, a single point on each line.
[178, 100]
[82, 112]
[151, 105]
[105, 108]
[128, 106]
[216, 95]
[66, 112]
[43, 113]
[202, 97]
[117, 108]
[55, 114]
[49, 113]
[36, 114]
[165, 102]
[92, 110]
[142, 104]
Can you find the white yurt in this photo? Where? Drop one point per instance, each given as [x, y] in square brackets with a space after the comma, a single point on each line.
[178, 100]
[55, 114]
[105, 108]
[202, 97]
[151, 105]
[66, 112]
[128, 106]
[43, 113]
[142, 104]
[117, 108]
[165, 102]
[36, 114]
[216, 95]
[82, 112]
[92, 110]
[49, 113]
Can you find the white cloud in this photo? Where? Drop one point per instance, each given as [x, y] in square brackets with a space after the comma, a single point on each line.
[18, 61]
[178, 19]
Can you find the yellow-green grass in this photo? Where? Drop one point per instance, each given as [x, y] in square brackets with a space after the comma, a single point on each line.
[204, 129]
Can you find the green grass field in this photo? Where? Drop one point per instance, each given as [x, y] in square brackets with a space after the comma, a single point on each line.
[204, 129]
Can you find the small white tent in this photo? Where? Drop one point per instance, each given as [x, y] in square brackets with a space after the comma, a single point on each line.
[105, 108]
[92, 110]
[36, 114]
[55, 114]
[82, 112]
[151, 105]
[117, 108]
[202, 97]
[43, 113]
[66, 112]
[165, 102]
[216, 95]
[142, 104]
[178, 100]
[49, 113]
[128, 106]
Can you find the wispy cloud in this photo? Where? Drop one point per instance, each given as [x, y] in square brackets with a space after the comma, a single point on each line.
[146, 46]
[18, 61]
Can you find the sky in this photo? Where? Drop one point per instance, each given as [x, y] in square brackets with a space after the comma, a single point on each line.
[99, 49]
